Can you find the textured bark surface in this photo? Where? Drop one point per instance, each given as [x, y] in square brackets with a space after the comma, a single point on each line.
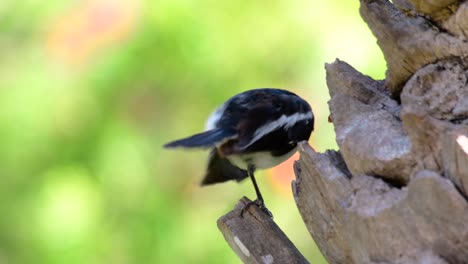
[396, 192]
[256, 238]
[397, 189]
[362, 219]
[367, 124]
[409, 42]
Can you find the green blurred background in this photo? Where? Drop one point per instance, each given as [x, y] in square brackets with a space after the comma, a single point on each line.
[91, 90]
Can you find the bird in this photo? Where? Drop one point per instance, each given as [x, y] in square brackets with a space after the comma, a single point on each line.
[253, 130]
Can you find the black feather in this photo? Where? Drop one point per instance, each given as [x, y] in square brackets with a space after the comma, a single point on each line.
[205, 139]
[220, 170]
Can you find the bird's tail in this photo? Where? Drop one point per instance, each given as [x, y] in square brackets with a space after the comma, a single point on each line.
[205, 139]
[219, 169]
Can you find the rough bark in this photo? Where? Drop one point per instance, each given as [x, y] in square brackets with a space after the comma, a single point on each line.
[409, 42]
[363, 219]
[397, 189]
[256, 238]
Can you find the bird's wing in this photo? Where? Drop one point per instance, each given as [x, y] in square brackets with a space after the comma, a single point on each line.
[261, 122]
[250, 128]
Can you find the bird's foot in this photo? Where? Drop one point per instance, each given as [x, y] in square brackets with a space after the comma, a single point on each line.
[260, 205]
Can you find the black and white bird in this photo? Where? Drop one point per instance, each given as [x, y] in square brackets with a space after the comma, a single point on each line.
[256, 129]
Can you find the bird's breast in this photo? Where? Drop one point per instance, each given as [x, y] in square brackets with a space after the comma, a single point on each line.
[261, 160]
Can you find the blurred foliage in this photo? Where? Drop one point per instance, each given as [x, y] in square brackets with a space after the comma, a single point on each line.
[92, 89]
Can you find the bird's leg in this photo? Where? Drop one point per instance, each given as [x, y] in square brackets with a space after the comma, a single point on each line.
[259, 202]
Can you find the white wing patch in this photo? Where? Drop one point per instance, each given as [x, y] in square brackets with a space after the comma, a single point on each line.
[286, 121]
[214, 117]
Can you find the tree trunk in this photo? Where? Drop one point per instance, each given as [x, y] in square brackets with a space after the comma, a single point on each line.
[396, 191]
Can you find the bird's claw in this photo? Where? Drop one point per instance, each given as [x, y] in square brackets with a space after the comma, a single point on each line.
[260, 205]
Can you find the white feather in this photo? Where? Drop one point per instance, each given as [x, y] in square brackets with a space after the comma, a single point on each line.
[214, 117]
[261, 160]
[284, 121]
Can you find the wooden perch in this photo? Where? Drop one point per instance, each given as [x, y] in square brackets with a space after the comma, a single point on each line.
[256, 238]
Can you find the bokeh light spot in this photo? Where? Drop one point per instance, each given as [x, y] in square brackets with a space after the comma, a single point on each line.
[68, 207]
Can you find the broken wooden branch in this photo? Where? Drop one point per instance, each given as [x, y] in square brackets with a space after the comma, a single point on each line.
[256, 238]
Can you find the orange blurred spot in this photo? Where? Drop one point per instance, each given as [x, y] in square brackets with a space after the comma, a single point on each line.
[92, 26]
[283, 174]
